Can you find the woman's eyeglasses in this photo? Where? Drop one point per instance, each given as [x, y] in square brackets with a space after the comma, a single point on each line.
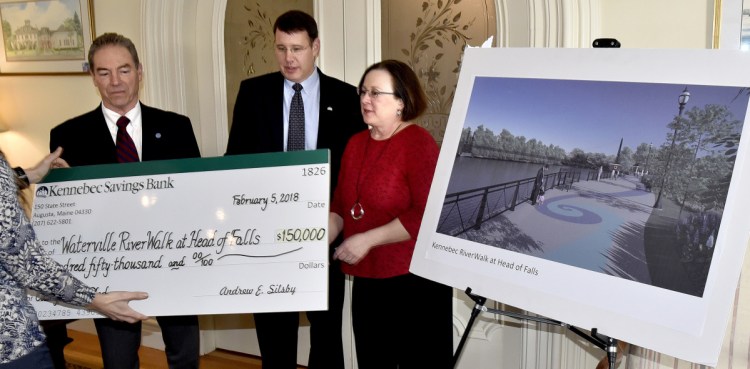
[373, 93]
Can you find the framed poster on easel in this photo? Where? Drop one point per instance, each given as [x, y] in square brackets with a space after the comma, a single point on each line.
[639, 155]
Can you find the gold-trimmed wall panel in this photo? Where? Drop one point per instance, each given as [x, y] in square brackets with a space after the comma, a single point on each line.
[249, 39]
[430, 36]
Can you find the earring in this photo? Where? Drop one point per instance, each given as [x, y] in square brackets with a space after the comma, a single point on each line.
[398, 112]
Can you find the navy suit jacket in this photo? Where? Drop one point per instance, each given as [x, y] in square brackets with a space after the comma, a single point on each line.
[258, 120]
[86, 140]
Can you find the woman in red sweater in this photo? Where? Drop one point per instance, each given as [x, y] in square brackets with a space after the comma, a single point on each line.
[378, 204]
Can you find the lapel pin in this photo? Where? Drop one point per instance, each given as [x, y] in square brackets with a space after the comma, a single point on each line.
[158, 135]
[329, 108]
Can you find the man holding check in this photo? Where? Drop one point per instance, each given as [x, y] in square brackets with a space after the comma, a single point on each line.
[298, 108]
[123, 130]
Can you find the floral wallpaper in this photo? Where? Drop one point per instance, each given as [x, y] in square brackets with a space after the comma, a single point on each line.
[438, 32]
[249, 38]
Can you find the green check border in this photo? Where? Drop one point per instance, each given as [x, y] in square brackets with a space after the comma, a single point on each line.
[279, 159]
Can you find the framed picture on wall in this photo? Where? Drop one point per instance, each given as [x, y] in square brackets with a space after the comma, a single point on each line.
[45, 36]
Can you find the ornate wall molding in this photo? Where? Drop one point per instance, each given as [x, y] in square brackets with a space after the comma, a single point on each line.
[183, 57]
[214, 82]
[546, 23]
[163, 51]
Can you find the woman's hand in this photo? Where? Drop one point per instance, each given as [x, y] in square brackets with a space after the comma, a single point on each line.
[115, 306]
[353, 249]
[357, 246]
[53, 160]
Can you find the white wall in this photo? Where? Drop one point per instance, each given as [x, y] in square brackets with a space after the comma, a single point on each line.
[658, 23]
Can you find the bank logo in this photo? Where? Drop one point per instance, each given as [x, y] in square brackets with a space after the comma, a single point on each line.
[42, 191]
[96, 188]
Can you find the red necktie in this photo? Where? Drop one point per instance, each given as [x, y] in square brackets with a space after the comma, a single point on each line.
[126, 151]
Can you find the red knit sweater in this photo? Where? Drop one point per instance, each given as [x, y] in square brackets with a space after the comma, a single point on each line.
[394, 183]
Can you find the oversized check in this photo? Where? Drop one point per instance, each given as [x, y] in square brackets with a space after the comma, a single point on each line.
[235, 234]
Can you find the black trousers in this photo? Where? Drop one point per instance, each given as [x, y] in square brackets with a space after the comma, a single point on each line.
[385, 311]
[57, 337]
[277, 332]
[120, 341]
[39, 358]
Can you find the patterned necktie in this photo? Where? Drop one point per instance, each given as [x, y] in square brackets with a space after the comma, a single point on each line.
[296, 139]
[126, 151]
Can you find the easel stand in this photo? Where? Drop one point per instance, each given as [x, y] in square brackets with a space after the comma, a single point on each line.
[608, 344]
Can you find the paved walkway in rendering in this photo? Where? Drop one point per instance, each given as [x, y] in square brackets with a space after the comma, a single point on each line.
[596, 225]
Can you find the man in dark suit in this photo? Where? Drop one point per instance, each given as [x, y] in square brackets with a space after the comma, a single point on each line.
[155, 135]
[261, 123]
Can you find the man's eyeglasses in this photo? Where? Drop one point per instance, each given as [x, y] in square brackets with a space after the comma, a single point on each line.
[294, 49]
[373, 93]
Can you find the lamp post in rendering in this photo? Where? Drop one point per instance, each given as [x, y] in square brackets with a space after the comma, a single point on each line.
[682, 100]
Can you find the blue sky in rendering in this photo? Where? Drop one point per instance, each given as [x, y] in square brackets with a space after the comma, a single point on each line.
[590, 115]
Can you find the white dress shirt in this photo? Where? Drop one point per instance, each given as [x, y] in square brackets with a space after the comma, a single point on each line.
[311, 99]
[135, 128]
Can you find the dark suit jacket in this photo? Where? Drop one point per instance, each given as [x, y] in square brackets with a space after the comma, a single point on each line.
[86, 139]
[258, 121]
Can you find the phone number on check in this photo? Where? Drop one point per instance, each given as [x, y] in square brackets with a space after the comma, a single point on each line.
[51, 222]
[300, 234]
